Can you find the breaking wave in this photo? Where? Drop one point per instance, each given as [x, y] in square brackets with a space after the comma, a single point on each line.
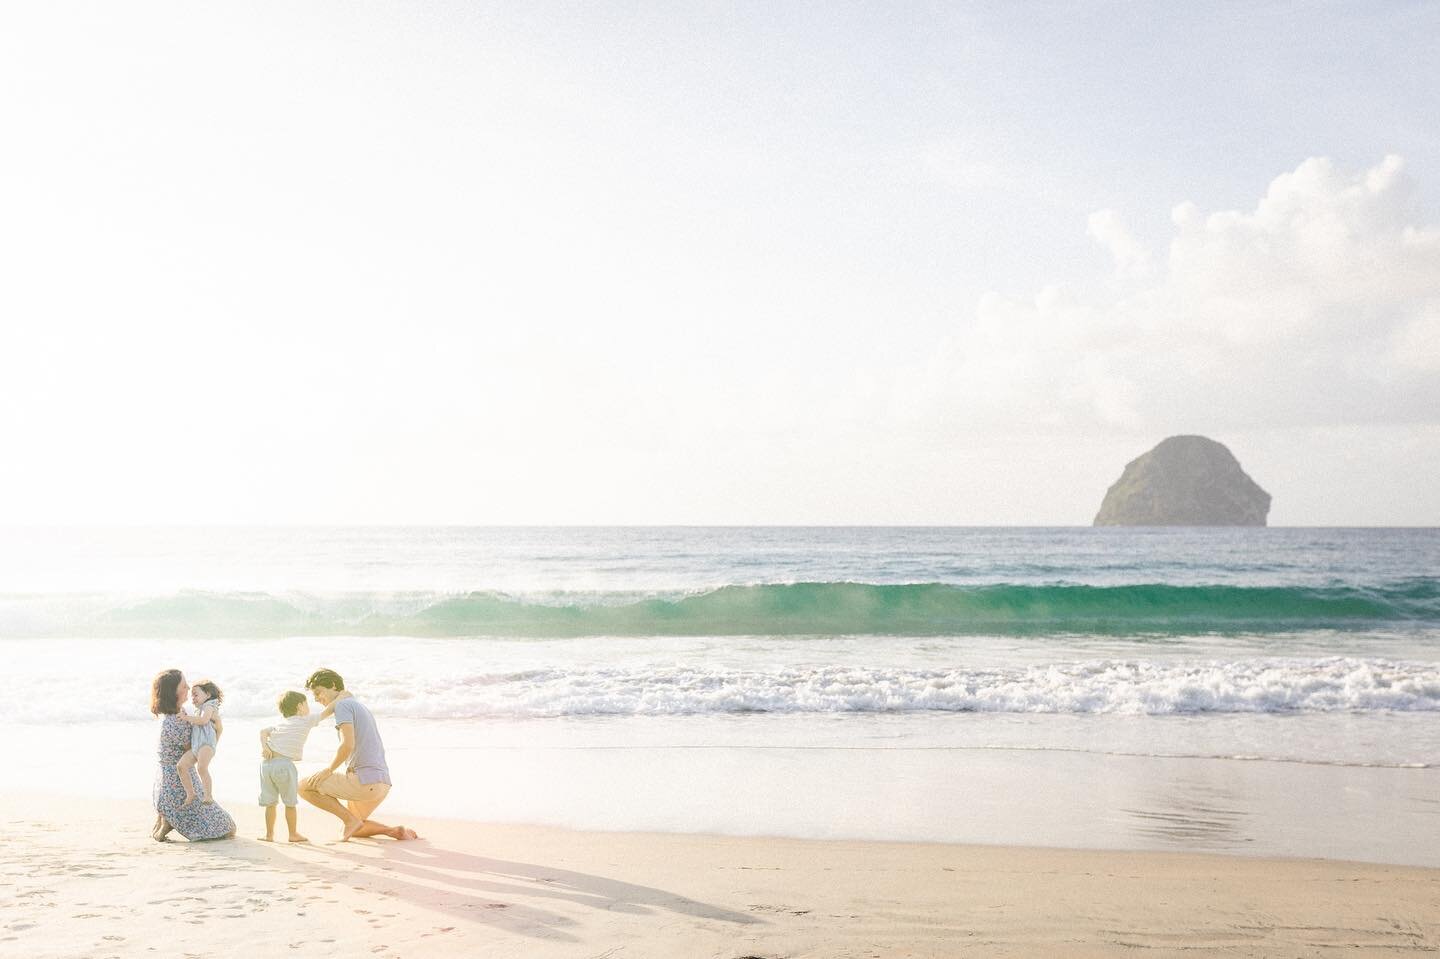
[1101, 686]
[789, 609]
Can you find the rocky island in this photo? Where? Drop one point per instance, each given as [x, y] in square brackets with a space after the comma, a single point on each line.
[1184, 481]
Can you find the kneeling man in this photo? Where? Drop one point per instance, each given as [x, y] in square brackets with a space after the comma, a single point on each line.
[366, 780]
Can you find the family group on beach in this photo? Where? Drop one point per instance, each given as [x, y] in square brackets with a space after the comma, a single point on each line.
[183, 796]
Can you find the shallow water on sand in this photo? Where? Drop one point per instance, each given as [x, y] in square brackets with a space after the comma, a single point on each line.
[1085, 782]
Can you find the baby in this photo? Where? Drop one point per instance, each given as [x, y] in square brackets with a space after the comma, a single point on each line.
[205, 728]
[280, 747]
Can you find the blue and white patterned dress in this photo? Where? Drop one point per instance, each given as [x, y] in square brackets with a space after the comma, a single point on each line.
[201, 820]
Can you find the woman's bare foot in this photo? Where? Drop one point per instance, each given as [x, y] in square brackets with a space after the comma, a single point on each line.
[161, 830]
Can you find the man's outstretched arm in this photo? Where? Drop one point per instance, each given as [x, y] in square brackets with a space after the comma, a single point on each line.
[342, 753]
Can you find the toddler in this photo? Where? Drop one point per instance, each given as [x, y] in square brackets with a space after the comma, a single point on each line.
[205, 728]
[280, 747]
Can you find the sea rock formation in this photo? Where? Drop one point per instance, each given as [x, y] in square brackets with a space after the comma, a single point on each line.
[1184, 481]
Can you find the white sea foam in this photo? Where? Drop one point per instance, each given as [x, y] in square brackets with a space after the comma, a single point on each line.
[1104, 686]
[463, 688]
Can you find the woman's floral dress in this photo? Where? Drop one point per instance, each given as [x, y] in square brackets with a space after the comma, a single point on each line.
[201, 820]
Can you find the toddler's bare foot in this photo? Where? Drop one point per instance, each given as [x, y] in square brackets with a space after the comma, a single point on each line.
[268, 838]
[298, 838]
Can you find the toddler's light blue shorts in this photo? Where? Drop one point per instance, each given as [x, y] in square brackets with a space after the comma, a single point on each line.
[279, 781]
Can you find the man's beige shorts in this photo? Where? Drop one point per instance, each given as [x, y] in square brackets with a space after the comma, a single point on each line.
[347, 787]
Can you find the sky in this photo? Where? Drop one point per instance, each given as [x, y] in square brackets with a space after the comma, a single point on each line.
[712, 263]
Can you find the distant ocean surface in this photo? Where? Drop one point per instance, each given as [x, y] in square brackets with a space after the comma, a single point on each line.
[947, 663]
[550, 621]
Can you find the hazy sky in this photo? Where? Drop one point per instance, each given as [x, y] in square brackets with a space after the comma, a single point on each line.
[712, 263]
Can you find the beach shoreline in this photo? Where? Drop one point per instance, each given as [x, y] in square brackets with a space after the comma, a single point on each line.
[82, 878]
[1095, 782]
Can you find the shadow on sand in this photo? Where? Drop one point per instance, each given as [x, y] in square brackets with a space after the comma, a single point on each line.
[500, 893]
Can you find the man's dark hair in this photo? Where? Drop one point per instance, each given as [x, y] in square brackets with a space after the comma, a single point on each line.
[289, 703]
[327, 678]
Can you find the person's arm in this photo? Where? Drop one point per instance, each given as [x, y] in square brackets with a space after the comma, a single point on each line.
[347, 746]
[199, 719]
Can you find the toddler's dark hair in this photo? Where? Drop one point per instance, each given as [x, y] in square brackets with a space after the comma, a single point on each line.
[289, 703]
[211, 690]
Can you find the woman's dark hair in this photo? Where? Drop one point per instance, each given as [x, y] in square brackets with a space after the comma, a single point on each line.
[327, 678]
[211, 690]
[289, 703]
[163, 701]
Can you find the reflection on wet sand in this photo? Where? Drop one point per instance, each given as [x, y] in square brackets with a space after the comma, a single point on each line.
[1189, 814]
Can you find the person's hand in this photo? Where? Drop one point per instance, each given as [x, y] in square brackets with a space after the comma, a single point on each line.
[312, 783]
[266, 752]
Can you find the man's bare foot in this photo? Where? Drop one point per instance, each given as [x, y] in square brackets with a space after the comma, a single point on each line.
[351, 828]
[298, 838]
[268, 838]
[401, 832]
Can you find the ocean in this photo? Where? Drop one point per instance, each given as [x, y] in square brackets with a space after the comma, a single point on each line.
[1266, 691]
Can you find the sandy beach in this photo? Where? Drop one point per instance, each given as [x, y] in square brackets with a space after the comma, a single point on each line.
[82, 878]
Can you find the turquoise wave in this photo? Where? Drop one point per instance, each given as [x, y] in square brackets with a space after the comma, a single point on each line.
[792, 609]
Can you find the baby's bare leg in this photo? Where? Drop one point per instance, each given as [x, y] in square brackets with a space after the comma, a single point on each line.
[202, 759]
[183, 767]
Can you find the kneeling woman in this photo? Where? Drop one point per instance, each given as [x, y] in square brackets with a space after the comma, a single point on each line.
[194, 822]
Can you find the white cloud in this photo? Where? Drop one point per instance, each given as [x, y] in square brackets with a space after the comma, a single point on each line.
[1321, 306]
[1132, 260]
